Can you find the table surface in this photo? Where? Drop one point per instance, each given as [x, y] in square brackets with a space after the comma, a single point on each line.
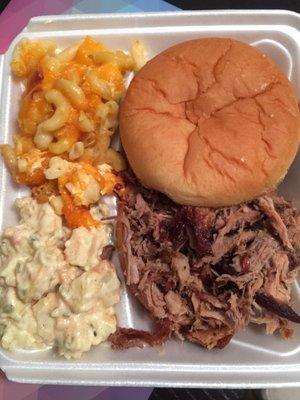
[13, 19]
[293, 5]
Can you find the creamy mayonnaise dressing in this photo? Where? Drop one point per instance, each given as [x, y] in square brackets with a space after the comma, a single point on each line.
[53, 291]
[18, 327]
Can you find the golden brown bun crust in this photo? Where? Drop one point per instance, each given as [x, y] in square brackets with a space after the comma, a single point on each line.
[210, 122]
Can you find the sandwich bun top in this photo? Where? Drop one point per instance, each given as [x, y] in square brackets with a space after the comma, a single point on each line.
[210, 122]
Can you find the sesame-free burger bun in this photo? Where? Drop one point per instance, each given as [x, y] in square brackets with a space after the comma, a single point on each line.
[210, 122]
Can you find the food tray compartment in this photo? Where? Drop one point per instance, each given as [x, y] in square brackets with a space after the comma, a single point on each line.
[252, 359]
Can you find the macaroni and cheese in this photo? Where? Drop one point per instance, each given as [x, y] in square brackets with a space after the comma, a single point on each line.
[69, 110]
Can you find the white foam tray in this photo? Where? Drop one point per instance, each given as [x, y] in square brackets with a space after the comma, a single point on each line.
[252, 359]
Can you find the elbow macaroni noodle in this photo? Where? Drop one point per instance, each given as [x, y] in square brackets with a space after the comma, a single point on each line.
[124, 61]
[76, 151]
[99, 86]
[61, 114]
[42, 139]
[43, 136]
[9, 157]
[72, 91]
[138, 54]
[68, 54]
[85, 123]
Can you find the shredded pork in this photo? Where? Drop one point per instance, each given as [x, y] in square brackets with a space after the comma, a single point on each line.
[205, 274]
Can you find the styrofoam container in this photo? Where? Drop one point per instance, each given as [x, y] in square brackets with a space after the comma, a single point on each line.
[252, 359]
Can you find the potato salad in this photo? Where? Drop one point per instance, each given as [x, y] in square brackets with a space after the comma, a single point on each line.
[55, 291]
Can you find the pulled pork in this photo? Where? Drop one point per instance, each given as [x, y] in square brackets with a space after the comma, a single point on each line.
[207, 272]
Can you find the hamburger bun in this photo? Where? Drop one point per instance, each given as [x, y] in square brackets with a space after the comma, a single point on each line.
[210, 122]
